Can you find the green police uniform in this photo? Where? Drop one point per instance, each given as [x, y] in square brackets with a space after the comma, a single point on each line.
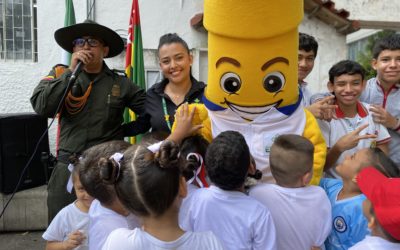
[98, 120]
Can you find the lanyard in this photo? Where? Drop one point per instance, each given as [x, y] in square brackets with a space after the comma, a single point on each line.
[166, 115]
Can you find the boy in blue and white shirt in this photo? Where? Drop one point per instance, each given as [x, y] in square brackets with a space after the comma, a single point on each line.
[349, 224]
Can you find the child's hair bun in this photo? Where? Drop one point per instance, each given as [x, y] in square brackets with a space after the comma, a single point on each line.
[192, 162]
[74, 159]
[168, 155]
[108, 170]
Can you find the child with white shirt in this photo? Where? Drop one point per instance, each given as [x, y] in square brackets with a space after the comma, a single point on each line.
[240, 221]
[68, 229]
[301, 213]
[151, 186]
[353, 126]
[106, 212]
[382, 210]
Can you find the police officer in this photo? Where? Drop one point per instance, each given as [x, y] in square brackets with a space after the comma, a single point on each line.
[92, 112]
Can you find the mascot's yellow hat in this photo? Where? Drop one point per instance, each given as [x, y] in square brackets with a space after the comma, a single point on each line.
[252, 54]
[252, 19]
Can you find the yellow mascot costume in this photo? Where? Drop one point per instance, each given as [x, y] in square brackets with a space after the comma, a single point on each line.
[252, 77]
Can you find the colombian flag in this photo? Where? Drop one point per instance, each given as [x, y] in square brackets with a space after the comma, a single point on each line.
[134, 65]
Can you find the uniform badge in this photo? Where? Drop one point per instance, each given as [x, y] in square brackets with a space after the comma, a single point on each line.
[339, 224]
[116, 90]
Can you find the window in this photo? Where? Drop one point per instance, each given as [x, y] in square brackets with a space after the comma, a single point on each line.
[153, 76]
[356, 47]
[18, 30]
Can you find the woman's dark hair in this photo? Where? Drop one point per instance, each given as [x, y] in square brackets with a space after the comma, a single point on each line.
[171, 38]
[227, 160]
[96, 170]
[192, 144]
[148, 183]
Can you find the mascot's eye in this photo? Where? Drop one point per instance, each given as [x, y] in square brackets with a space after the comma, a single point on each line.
[273, 82]
[230, 82]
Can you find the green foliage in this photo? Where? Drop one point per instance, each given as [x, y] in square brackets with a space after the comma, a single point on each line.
[364, 57]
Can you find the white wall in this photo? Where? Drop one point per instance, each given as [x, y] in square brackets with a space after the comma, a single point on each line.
[373, 10]
[369, 10]
[331, 49]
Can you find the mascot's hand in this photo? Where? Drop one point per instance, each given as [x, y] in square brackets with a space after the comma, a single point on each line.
[200, 117]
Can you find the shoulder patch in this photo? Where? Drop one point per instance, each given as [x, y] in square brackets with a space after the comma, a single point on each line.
[59, 69]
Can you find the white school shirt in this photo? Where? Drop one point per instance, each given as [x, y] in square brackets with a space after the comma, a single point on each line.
[375, 243]
[191, 188]
[261, 132]
[336, 128]
[374, 94]
[302, 216]
[240, 222]
[102, 221]
[125, 239]
[306, 100]
[68, 220]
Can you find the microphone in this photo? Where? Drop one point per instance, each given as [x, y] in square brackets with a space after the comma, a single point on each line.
[76, 89]
[77, 70]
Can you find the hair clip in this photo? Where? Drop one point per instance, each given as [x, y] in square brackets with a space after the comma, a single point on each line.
[196, 172]
[70, 185]
[117, 157]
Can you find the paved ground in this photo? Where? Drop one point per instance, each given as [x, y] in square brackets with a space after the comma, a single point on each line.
[31, 240]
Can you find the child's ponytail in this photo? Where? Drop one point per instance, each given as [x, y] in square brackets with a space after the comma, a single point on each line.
[149, 182]
[168, 155]
[110, 168]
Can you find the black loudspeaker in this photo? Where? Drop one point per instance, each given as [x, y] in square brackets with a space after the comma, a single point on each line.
[19, 134]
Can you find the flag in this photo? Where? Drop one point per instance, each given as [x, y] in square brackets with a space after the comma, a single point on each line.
[134, 64]
[69, 19]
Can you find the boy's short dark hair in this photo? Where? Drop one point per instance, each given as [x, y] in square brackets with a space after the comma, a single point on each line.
[308, 43]
[227, 160]
[391, 42]
[347, 67]
[291, 157]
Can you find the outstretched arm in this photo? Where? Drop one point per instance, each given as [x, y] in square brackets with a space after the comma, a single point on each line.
[346, 142]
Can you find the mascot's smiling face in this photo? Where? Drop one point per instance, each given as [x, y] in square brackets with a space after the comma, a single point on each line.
[252, 56]
[251, 80]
